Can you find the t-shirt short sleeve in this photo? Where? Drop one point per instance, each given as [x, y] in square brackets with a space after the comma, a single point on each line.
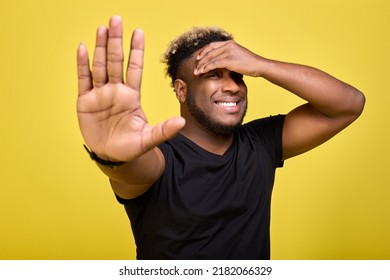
[269, 131]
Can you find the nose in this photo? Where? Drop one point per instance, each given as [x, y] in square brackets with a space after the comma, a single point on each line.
[230, 84]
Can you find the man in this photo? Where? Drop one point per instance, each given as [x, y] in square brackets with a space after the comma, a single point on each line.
[199, 186]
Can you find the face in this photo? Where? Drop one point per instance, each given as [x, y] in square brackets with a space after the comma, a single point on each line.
[217, 100]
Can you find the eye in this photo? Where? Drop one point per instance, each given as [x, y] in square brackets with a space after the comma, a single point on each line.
[214, 74]
[237, 77]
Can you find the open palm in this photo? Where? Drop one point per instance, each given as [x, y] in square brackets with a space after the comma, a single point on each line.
[111, 119]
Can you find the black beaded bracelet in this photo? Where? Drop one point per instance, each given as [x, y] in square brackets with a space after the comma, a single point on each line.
[103, 162]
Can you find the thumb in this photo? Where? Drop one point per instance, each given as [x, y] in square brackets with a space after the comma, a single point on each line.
[167, 130]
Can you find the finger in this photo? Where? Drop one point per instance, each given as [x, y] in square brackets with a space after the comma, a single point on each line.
[99, 64]
[136, 58]
[213, 60]
[115, 51]
[210, 57]
[165, 131]
[83, 71]
[212, 46]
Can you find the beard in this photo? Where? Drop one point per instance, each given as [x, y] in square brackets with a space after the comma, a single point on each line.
[200, 116]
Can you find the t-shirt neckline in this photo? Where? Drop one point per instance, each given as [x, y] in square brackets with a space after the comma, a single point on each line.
[205, 152]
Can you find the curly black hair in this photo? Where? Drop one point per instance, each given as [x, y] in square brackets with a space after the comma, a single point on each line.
[186, 44]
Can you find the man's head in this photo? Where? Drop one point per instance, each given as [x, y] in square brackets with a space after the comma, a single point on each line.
[214, 101]
[184, 46]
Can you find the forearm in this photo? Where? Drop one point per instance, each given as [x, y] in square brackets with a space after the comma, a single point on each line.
[325, 93]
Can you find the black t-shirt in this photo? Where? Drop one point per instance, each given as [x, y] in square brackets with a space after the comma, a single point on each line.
[208, 206]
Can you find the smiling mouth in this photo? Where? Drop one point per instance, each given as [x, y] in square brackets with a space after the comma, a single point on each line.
[227, 104]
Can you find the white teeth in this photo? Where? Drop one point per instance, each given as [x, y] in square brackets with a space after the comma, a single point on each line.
[227, 104]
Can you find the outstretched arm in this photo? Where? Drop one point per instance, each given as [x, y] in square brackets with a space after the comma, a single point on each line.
[332, 104]
[110, 116]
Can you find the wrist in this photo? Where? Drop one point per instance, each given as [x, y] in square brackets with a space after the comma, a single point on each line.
[262, 67]
[103, 162]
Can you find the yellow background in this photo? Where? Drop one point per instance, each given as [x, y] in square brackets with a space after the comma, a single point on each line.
[331, 203]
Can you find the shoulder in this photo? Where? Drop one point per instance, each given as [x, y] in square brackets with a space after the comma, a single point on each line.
[176, 143]
[265, 134]
[264, 126]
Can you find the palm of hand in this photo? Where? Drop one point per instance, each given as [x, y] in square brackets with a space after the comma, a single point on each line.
[111, 119]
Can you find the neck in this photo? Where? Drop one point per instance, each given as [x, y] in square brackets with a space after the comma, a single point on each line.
[214, 143]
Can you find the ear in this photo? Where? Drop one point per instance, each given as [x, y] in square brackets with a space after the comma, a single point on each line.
[181, 90]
